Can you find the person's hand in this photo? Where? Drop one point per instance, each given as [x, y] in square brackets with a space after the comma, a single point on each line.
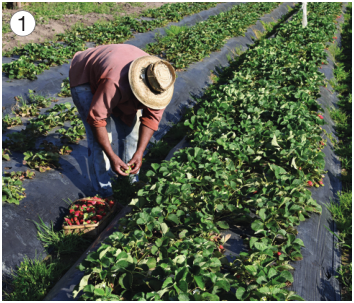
[118, 166]
[136, 162]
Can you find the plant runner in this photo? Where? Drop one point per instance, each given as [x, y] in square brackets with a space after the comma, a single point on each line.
[119, 84]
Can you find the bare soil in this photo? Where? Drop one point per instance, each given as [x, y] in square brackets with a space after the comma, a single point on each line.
[48, 31]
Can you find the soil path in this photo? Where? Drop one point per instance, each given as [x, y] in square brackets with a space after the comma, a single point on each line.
[48, 31]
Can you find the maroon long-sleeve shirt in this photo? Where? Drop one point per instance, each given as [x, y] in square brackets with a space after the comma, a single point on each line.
[106, 69]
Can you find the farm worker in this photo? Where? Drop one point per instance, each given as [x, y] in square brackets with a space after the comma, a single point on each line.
[120, 84]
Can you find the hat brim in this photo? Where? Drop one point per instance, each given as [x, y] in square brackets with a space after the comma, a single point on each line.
[140, 88]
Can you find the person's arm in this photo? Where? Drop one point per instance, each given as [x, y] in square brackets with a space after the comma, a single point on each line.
[145, 134]
[101, 135]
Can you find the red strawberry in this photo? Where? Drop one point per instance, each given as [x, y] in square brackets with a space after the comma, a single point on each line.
[321, 183]
[255, 192]
[278, 253]
[238, 277]
[77, 213]
[77, 223]
[99, 217]
[309, 183]
[299, 168]
[88, 221]
[81, 221]
[320, 116]
[71, 211]
[93, 202]
[322, 143]
[95, 221]
[84, 205]
[221, 247]
[103, 214]
[322, 62]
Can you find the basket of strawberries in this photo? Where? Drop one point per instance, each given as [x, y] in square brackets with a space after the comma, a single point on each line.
[89, 216]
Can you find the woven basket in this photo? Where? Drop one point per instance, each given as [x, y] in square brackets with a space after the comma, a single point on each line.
[92, 230]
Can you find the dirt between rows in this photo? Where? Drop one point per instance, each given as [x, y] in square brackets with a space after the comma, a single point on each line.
[48, 31]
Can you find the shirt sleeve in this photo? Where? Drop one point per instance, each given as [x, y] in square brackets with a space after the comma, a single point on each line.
[106, 97]
[151, 118]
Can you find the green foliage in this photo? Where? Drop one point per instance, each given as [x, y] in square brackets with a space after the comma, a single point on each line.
[196, 42]
[20, 175]
[116, 31]
[12, 190]
[65, 88]
[7, 121]
[60, 242]
[249, 138]
[174, 30]
[175, 12]
[41, 160]
[24, 109]
[39, 100]
[159, 149]
[5, 154]
[34, 278]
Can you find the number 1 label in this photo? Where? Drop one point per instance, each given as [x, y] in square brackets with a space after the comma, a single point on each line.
[22, 23]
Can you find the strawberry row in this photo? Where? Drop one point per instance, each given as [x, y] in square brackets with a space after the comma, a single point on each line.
[249, 138]
[117, 31]
[199, 41]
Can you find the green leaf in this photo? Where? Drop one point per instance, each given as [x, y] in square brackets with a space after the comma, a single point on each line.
[151, 262]
[299, 241]
[223, 284]
[262, 214]
[164, 228]
[126, 280]
[223, 224]
[167, 283]
[241, 294]
[173, 218]
[251, 269]
[199, 281]
[82, 284]
[183, 297]
[99, 292]
[210, 297]
[287, 275]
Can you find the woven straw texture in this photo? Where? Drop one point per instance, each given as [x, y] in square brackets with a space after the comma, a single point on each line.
[140, 86]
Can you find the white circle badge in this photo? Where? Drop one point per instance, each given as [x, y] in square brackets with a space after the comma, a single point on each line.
[22, 23]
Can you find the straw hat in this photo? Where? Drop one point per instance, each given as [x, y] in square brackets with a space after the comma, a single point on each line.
[152, 81]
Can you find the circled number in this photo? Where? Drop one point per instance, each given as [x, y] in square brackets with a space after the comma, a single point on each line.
[22, 23]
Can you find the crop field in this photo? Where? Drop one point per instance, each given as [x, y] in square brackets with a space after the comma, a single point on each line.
[257, 151]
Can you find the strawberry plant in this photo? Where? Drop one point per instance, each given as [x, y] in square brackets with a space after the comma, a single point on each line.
[41, 160]
[40, 101]
[249, 137]
[65, 88]
[20, 175]
[25, 110]
[50, 147]
[12, 190]
[7, 121]
[5, 154]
